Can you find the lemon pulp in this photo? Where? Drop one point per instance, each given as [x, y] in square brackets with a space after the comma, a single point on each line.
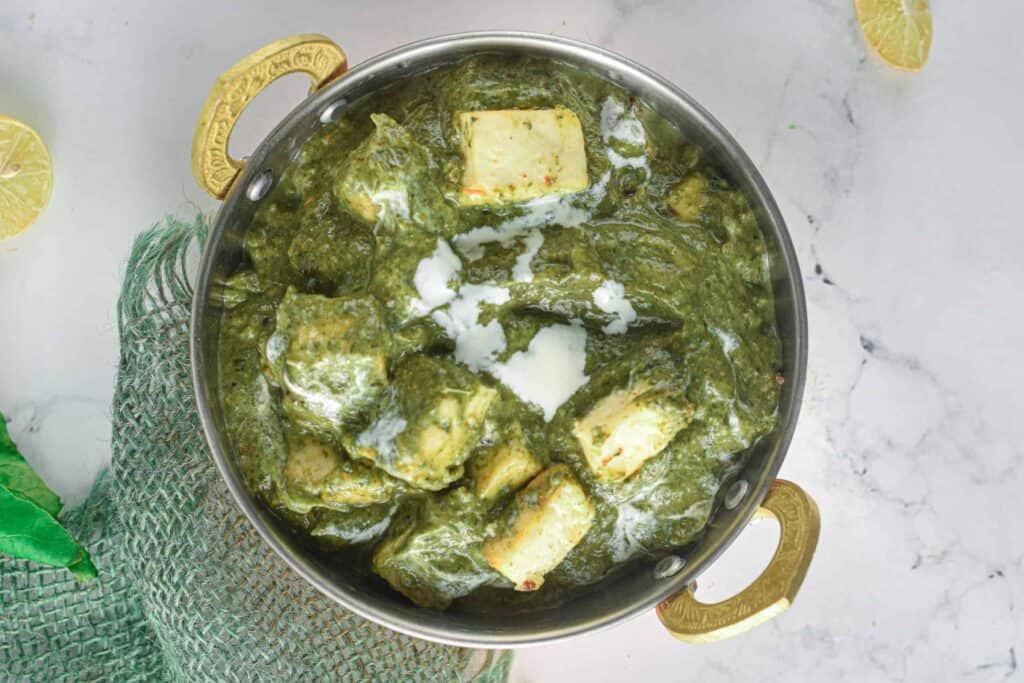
[26, 177]
[900, 31]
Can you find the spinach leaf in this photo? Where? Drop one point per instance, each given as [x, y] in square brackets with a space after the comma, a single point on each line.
[28, 516]
[17, 477]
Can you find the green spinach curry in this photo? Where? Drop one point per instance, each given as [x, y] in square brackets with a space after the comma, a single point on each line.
[497, 331]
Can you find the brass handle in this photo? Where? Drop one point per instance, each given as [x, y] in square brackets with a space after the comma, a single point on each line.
[310, 53]
[771, 593]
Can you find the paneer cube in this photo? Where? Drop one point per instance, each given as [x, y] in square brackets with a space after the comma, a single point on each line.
[318, 476]
[431, 553]
[310, 463]
[329, 356]
[630, 426]
[548, 518]
[503, 469]
[374, 180]
[512, 155]
[430, 421]
[391, 180]
[689, 198]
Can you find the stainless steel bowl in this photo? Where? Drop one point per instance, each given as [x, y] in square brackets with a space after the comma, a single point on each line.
[645, 582]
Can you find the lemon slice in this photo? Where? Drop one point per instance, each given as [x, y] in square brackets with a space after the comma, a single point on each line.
[26, 177]
[900, 31]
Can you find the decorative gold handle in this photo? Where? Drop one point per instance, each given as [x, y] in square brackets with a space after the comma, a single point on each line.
[771, 593]
[310, 53]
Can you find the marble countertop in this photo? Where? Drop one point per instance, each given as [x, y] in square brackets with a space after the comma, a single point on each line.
[904, 196]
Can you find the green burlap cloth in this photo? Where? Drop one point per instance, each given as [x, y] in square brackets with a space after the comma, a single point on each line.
[187, 589]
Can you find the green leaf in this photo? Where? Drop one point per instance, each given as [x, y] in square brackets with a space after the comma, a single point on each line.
[28, 516]
[18, 477]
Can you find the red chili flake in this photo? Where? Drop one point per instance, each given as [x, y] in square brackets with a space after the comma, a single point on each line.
[611, 457]
[547, 179]
[529, 585]
[780, 379]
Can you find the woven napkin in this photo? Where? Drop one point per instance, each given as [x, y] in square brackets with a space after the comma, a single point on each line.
[187, 590]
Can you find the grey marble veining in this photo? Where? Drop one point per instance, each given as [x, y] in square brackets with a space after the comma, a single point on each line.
[904, 196]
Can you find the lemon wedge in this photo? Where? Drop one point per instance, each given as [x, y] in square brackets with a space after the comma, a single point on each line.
[900, 31]
[26, 177]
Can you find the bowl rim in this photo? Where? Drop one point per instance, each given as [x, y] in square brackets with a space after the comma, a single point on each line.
[483, 41]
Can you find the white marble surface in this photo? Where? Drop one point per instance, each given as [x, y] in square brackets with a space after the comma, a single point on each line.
[904, 194]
